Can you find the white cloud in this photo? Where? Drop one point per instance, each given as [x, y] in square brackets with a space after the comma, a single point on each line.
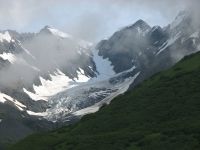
[90, 20]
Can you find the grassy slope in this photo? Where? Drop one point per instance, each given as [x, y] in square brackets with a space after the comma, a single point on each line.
[161, 113]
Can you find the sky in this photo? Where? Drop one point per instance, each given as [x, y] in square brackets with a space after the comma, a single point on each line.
[91, 20]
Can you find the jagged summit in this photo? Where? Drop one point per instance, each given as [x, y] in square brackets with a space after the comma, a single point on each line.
[141, 23]
[46, 27]
[63, 70]
[138, 24]
[45, 30]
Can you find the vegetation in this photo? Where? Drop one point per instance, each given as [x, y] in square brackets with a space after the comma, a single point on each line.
[161, 113]
[5, 143]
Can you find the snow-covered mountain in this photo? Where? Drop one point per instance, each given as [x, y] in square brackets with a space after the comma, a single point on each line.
[53, 77]
[42, 64]
[34, 67]
[152, 49]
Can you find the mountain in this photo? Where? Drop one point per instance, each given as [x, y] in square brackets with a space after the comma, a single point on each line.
[33, 67]
[160, 113]
[50, 79]
[153, 49]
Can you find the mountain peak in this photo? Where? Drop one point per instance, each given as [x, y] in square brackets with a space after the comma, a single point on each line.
[46, 27]
[140, 23]
[45, 30]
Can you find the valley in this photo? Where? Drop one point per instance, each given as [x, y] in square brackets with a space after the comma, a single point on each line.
[51, 79]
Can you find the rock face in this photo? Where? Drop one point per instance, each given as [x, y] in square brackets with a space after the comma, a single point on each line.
[125, 45]
[52, 76]
[26, 58]
[29, 65]
[152, 49]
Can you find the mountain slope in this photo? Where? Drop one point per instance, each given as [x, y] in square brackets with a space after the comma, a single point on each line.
[40, 71]
[48, 78]
[32, 68]
[161, 113]
[152, 49]
[51, 78]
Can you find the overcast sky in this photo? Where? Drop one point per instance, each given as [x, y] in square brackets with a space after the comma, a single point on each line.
[90, 20]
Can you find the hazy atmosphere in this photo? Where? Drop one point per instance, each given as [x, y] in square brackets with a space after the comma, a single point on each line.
[90, 20]
[99, 74]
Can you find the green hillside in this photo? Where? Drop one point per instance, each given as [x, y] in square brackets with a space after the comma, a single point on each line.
[162, 113]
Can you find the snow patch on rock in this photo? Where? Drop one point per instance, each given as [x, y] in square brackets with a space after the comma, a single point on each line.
[80, 42]
[8, 56]
[4, 98]
[81, 76]
[36, 114]
[6, 36]
[103, 66]
[59, 83]
[169, 42]
[196, 34]
[178, 20]
[59, 33]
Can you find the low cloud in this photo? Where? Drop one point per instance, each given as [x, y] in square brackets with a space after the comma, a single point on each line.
[87, 19]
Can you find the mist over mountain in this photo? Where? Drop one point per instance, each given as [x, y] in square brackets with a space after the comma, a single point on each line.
[51, 78]
[160, 113]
